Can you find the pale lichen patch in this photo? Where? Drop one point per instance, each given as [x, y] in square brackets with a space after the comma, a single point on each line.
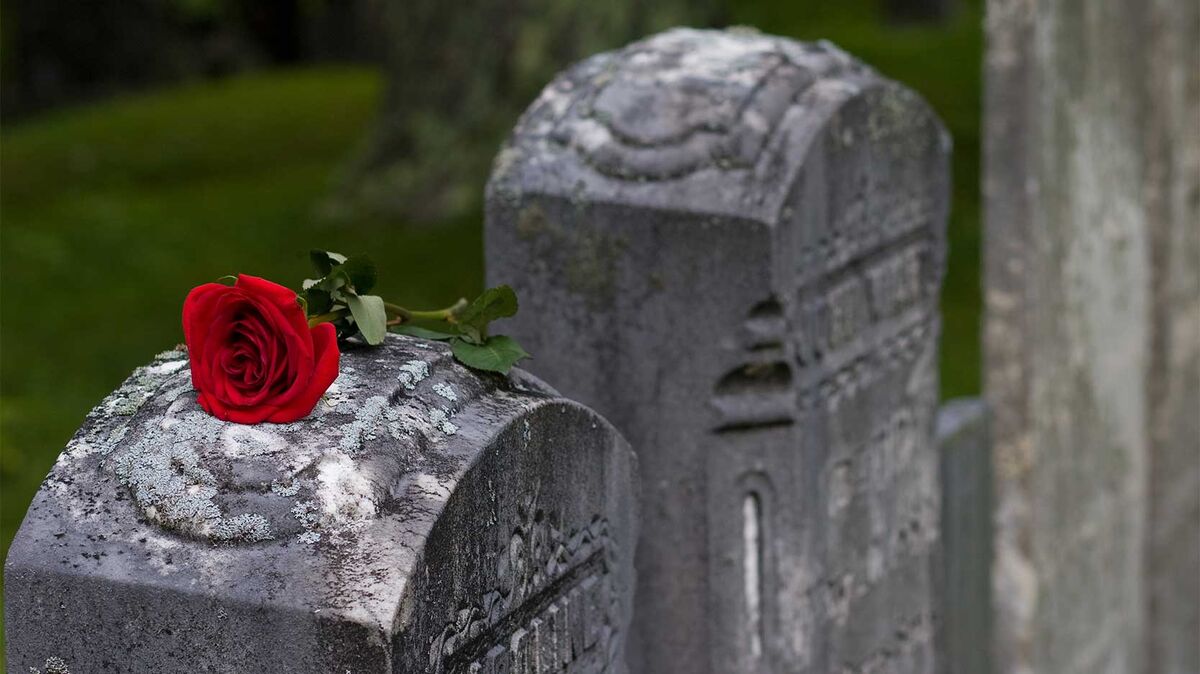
[445, 390]
[440, 418]
[363, 426]
[413, 372]
[53, 665]
[173, 487]
[285, 491]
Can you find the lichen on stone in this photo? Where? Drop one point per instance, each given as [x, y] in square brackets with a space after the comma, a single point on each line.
[53, 665]
[362, 427]
[245, 527]
[440, 418]
[445, 390]
[172, 486]
[413, 372]
[308, 537]
[194, 474]
[285, 491]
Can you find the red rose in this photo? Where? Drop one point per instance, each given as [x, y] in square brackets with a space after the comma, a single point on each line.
[253, 356]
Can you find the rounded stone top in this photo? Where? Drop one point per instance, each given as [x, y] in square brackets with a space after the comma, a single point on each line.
[323, 475]
[687, 99]
[717, 120]
[418, 515]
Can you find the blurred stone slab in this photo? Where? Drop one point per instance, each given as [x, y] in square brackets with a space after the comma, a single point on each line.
[423, 518]
[731, 245]
[1092, 337]
[964, 567]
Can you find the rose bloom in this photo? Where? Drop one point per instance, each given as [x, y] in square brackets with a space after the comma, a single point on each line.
[253, 356]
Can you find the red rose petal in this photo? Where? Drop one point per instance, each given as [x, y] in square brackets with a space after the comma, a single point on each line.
[253, 356]
[324, 338]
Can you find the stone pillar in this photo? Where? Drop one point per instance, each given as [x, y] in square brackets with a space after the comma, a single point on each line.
[422, 519]
[1092, 336]
[965, 564]
[731, 244]
[1173, 394]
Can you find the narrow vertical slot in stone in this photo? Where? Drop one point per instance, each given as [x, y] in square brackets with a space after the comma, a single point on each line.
[753, 542]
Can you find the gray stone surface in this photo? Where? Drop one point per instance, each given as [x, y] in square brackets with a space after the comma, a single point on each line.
[964, 567]
[423, 519]
[1173, 393]
[1092, 338]
[731, 245]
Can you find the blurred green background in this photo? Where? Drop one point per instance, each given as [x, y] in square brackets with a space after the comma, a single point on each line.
[115, 202]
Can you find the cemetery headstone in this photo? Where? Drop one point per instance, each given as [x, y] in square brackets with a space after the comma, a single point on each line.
[424, 518]
[1092, 337]
[731, 245]
[964, 565]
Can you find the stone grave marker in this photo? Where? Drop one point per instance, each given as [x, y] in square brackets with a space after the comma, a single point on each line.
[423, 519]
[1091, 205]
[731, 245]
[964, 565]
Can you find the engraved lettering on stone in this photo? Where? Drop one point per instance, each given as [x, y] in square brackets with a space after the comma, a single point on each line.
[552, 607]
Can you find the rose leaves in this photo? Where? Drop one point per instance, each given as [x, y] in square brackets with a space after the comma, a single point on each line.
[341, 296]
[466, 328]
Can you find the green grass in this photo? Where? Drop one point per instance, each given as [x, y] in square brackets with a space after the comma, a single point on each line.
[112, 212]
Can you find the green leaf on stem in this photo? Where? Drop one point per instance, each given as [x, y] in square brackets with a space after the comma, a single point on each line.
[473, 319]
[324, 261]
[332, 282]
[497, 353]
[423, 333]
[319, 301]
[369, 316]
[360, 273]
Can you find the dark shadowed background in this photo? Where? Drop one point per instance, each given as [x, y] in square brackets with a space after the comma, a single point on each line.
[152, 145]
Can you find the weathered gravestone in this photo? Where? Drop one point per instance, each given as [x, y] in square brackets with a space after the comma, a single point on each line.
[965, 560]
[422, 519]
[1092, 333]
[731, 244]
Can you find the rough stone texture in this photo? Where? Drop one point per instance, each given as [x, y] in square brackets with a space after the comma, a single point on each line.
[964, 567]
[732, 245]
[1093, 378]
[423, 518]
[1173, 210]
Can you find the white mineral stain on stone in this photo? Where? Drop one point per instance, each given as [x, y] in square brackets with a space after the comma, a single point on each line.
[332, 395]
[239, 441]
[430, 484]
[445, 390]
[413, 372]
[166, 368]
[344, 493]
[340, 394]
